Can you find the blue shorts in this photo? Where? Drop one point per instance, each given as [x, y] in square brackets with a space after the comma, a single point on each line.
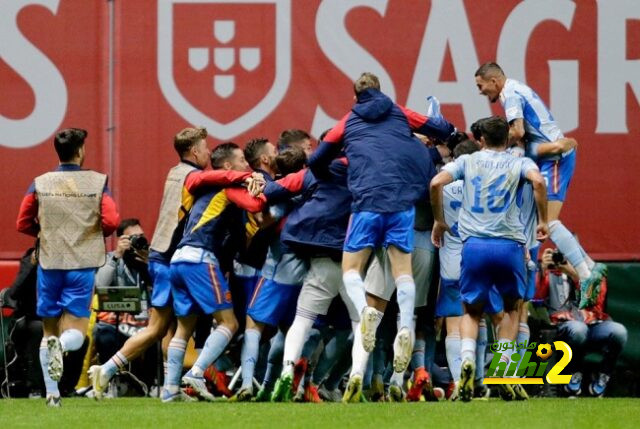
[274, 303]
[488, 262]
[449, 302]
[242, 288]
[557, 175]
[198, 288]
[160, 273]
[531, 275]
[373, 230]
[61, 291]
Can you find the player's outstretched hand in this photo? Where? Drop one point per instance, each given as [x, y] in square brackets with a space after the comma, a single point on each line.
[542, 231]
[437, 233]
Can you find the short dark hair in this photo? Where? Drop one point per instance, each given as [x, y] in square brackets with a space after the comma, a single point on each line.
[366, 81]
[489, 70]
[222, 153]
[126, 223]
[291, 160]
[465, 147]
[290, 137]
[253, 150]
[495, 131]
[476, 129]
[455, 139]
[186, 138]
[68, 142]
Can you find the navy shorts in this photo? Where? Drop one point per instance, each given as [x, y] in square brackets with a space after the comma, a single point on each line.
[373, 230]
[488, 262]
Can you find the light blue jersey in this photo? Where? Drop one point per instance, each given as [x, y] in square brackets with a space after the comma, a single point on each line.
[451, 252]
[527, 204]
[521, 102]
[491, 183]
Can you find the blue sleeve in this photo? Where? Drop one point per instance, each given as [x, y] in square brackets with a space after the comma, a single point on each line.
[437, 127]
[320, 159]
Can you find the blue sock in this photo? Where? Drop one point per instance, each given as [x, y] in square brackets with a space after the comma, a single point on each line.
[213, 348]
[311, 344]
[566, 243]
[117, 361]
[429, 348]
[481, 349]
[274, 359]
[71, 340]
[249, 356]
[175, 360]
[50, 385]
[417, 358]
[452, 346]
[332, 353]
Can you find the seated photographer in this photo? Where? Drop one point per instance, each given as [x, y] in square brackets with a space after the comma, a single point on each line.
[125, 266]
[587, 329]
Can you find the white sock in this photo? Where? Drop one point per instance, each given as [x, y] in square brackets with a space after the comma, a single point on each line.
[359, 357]
[71, 340]
[406, 295]
[468, 349]
[354, 285]
[295, 339]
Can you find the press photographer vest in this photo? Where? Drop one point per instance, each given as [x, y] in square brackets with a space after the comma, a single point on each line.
[69, 214]
[171, 209]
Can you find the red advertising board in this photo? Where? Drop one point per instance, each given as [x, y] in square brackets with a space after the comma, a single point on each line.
[253, 68]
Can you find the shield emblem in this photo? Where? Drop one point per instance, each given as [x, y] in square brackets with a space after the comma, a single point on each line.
[224, 64]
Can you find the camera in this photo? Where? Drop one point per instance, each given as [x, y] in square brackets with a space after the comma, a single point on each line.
[558, 258]
[139, 242]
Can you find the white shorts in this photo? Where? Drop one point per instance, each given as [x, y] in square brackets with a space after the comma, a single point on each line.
[321, 285]
[379, 280]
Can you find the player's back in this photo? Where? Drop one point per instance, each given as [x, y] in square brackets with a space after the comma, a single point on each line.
[491, 182]
[520, 101]
[450, 252]
[389, 169]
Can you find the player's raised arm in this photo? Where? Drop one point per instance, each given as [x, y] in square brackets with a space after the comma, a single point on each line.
[436, 126]
[328, 149]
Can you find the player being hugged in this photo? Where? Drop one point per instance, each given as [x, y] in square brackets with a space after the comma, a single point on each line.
[493, 250]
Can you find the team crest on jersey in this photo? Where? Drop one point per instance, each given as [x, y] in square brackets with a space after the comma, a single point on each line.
[215, 69]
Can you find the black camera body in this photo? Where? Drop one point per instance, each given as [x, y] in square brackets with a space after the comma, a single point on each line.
[139, 242]
[558, 258]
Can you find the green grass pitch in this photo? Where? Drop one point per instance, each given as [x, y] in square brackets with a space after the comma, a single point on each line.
[150, 413]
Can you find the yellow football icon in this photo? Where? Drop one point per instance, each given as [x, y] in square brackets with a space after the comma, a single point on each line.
[544, 351]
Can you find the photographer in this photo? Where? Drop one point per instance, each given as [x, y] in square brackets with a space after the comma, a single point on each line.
[585, 330]
[126, 266]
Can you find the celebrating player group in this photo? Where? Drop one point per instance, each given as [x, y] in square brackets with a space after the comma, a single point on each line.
[298, 254]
